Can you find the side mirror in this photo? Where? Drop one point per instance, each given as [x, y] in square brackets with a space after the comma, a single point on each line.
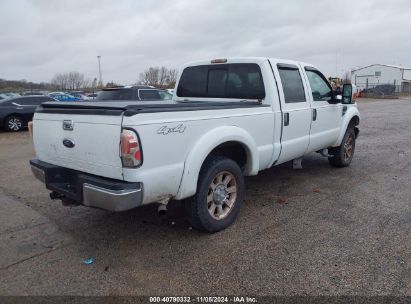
[347, 94]
[335, 99]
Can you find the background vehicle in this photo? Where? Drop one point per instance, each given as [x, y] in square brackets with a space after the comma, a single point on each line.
[63, 96]
[34, 94]
[230, 118]
[9, 95]
[80, 96]
[140, 93]
[15, 113]
[165, 95]
[91, 96]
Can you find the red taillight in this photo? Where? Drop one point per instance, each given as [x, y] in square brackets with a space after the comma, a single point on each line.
[130, 149]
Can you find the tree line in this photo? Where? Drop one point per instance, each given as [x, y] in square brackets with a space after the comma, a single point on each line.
[18, 85]
[159, 77]
[70, 81]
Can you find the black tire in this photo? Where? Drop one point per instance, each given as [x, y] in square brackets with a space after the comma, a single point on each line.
[199, 210]
[343, 154]
[13, 123]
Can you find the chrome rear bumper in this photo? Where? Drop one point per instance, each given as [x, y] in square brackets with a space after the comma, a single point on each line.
[114, 200]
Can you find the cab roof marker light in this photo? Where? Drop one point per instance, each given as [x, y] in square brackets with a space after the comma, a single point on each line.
[223, 60]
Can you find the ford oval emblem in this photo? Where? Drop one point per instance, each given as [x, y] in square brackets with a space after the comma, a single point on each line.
[68, 143]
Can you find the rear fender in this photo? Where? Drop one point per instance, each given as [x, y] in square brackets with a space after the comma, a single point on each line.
[205, 145]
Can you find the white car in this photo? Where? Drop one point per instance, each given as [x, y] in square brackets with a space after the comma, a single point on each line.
[230, 118]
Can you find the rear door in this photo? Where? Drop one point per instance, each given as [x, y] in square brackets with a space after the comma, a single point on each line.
[296, 111]
[85, 142]
[326, 117]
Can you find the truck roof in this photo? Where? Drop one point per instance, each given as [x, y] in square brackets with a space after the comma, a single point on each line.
[257, 60]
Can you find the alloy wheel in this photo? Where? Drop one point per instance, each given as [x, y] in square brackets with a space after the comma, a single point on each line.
[14, 124]
[348, 147]
[222, 195]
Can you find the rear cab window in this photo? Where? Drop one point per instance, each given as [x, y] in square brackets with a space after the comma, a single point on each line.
[231, 81]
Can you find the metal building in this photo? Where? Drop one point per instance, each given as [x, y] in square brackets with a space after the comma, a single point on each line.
[382, 76]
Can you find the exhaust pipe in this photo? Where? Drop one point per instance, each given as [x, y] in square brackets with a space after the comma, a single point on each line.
[162, 209]
[324, 153]
[54, 195]
[64, 200]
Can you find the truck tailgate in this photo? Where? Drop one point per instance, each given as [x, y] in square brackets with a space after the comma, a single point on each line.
[87, 143]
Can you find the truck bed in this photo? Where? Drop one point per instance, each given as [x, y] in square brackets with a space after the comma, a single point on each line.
[136, 107]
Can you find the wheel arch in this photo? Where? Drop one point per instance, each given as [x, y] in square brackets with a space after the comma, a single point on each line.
[351, 117]
[355, 121]
[230, 141]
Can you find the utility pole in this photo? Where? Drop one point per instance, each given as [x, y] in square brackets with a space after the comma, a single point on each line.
[100, 81]
[336, 64]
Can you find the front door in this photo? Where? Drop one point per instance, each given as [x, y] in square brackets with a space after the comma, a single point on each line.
[326, 117]
[296, 111]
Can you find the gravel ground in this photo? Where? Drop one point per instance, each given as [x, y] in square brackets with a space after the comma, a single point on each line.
[316, 231]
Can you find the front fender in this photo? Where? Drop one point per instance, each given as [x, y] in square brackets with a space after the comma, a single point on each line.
[205, 145]
[351, 112]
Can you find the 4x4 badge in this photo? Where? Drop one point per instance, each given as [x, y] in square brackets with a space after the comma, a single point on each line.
[167, 130]
[68, 125]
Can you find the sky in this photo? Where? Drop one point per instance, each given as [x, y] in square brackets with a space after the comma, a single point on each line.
[39, 38]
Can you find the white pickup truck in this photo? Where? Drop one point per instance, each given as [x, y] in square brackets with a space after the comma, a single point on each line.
[229, 118]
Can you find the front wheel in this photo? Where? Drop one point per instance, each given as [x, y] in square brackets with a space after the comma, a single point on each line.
[13, 123]
[220, 194]
[343, 154]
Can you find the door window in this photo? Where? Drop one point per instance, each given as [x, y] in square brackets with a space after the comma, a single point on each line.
[149, 95]
[320, 88]
[39, 100]
[292, 84]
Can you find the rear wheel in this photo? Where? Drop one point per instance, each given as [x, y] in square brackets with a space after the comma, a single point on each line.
[343, 154]
[220, 193]
[13, 123]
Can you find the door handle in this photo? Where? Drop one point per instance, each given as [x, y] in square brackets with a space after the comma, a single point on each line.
[314, 114]
[286, 119]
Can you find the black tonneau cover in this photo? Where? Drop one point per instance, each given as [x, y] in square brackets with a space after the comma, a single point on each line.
[136, 107]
